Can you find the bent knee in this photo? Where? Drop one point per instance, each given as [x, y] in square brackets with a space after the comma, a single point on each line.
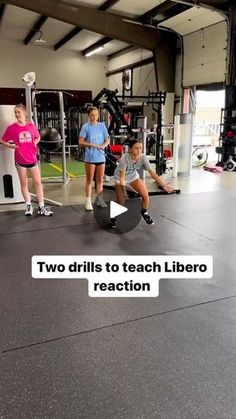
[144, 195]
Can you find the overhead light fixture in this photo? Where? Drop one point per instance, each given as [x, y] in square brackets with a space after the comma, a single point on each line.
[94, 51]
[39, 40]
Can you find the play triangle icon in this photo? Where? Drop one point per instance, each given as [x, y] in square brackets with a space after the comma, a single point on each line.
[116, 209]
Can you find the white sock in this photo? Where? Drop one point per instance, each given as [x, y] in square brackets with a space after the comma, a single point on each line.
[41, 204]
[88, 199]
[28, 202]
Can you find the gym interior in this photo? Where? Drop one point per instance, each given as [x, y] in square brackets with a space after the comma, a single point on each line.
[67, 351]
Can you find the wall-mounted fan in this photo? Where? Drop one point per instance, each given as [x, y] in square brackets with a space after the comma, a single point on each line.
[199, 157]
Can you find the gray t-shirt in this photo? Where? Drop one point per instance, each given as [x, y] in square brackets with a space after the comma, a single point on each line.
[130, 168]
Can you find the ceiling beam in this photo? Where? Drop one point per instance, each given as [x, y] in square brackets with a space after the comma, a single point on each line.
[78, 29]
[105, 23]
[99, 43]
[122, 51]
[168, 8]
[144, 18]
[107, 4]
[130, 66]
[2, 11]
[67, 37]
[35, 29]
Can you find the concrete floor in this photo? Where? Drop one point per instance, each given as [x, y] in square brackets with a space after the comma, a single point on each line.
[66, 355]
[73, 193]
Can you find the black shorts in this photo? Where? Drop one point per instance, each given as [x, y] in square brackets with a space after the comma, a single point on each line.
[26, 166]
[96, 164]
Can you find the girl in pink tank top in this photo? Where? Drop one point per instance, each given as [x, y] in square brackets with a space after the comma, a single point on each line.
[24, 137]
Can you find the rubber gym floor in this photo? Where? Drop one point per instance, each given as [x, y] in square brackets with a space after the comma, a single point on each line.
[66, 355]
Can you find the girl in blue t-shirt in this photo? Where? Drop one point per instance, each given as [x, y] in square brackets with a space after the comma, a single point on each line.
[94, 137]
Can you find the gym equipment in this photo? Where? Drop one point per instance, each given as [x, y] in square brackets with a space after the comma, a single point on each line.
[230, 165]
[75, 120]
[10, 190]
[199, 157]
[158, 99]
[113, 154]
[108, 99]
[132, 193]
[50, 139]
[227, 142]
[151, 142]
[65, 179]
[29, 79]
[110, 164]
[162, 192]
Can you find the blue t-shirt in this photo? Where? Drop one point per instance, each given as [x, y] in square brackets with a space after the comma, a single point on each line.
[94, 134]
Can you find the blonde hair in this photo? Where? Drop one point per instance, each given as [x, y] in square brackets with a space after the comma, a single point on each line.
[21, 106]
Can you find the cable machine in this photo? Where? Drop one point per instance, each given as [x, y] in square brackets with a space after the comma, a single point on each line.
[48, 141]
[29, 79]
[109, 100]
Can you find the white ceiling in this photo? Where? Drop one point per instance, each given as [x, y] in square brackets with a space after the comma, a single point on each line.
[17, 23]
[134, 8]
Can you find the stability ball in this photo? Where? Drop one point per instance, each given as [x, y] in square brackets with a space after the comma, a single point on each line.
[50, 139]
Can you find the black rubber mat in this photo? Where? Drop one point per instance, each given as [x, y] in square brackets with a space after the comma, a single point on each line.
[67, 355]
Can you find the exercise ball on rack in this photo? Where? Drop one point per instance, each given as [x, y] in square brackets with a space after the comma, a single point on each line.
[50, 139]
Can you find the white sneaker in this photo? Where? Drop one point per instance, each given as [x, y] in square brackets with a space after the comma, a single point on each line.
[45, 211]
[29, 210]
[88, 206]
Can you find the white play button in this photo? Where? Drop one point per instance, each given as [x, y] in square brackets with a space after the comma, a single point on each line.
[116, 209]
[117, 218]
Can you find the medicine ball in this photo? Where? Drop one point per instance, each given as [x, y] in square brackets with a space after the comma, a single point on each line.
[50, 139]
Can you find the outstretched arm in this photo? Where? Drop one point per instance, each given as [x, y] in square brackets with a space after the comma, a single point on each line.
[161, 182]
